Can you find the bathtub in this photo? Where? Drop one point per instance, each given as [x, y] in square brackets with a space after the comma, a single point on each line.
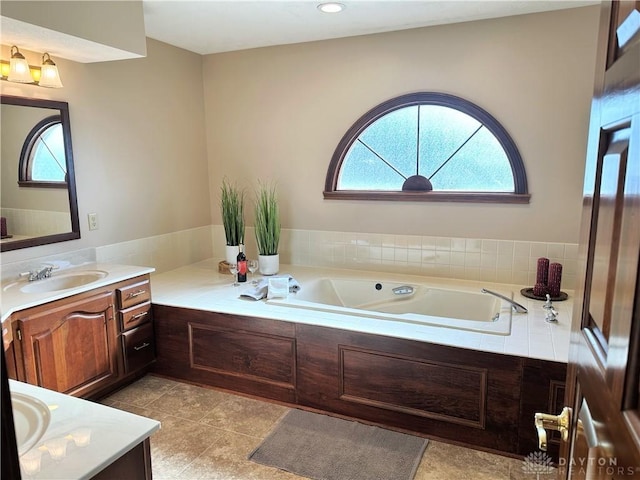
[404, 302]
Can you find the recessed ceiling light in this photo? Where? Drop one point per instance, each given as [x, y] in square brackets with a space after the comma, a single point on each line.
[331, 7]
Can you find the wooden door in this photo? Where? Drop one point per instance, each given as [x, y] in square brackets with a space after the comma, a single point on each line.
[70, 347]
[603, 386]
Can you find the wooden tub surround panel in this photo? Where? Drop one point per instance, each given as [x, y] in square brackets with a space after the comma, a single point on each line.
[420, 384]
[247, 355]
[479, 399]
[255, 356]
[427, 403]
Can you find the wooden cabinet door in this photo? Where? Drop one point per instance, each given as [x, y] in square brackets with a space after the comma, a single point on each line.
[70, 347]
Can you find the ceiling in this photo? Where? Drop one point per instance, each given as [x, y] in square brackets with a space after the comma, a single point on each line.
[213, 26]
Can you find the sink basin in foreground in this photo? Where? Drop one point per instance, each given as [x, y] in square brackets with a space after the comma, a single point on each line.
[31, 418]
[62, 281]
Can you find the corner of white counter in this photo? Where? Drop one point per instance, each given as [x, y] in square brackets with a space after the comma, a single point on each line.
[107, 434]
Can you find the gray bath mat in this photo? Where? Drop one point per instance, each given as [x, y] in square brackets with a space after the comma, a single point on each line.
[326, 448]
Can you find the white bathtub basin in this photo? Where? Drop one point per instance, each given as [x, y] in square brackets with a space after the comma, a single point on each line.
[425, 305]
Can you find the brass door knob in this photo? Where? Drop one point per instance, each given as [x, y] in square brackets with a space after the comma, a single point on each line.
[544, 422]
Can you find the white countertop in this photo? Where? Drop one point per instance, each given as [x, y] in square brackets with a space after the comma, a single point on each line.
[12, 299]
[94, 435]
[200, 286]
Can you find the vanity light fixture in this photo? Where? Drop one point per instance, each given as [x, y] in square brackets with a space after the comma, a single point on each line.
[331, 7]
[19, 71]
[19, 67]
[49, 76]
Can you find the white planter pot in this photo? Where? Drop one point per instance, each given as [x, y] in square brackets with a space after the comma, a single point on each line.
[231, 253]
[269, 264]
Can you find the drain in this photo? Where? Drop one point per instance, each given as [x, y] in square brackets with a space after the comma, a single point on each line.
[378, 286]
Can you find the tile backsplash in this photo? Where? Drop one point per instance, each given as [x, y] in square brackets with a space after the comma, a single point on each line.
[501, 261]
[163, 252]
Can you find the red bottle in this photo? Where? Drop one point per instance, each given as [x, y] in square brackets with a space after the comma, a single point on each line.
[241, 261]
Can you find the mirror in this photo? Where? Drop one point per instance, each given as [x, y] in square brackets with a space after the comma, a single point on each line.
[41, 212]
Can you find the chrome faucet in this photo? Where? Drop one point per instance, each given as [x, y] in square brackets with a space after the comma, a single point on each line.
[403, 290]
[552, 314]
[516, 306]
[40, 273]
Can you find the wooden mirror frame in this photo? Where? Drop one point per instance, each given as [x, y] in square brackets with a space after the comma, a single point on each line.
[74, 234]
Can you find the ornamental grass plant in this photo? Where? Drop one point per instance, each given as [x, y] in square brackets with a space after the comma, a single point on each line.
[267, 221]
[232, 206]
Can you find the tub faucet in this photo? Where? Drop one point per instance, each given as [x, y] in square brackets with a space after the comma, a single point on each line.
[403, 290]
[552, 314]
[516, 306]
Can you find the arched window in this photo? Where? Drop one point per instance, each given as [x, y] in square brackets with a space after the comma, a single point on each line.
[42, 159]
[427, 146]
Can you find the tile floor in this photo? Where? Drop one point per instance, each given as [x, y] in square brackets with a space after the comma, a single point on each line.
[207, 434]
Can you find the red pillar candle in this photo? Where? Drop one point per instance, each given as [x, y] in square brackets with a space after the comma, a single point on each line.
[539, 289]
[542, 274]
[555, 278]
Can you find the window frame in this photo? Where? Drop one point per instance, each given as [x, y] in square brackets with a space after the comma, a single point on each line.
[520, 194]
[26, 157]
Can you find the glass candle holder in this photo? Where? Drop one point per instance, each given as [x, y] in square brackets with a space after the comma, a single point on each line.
[81, 437]
[57, 448]
[30, 461]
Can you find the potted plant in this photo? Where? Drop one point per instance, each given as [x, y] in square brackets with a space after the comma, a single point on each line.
[267, 229]
[232, 206]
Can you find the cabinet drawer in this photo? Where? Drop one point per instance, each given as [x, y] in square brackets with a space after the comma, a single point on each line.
[134, 316]
[134, 294]
[139, 347]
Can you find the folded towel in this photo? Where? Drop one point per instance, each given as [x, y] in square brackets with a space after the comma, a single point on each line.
[261, 289]
[294, 286]
[258, 291]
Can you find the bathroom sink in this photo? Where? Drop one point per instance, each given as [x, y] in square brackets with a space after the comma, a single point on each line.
[63, 281]
[31, 418]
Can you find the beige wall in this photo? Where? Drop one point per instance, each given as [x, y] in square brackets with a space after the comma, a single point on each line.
[278, 113]
[137, 129]
[142, 128]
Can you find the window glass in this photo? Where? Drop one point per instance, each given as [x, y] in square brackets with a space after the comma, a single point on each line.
[47, 156]
[451, 142]
[43, 159]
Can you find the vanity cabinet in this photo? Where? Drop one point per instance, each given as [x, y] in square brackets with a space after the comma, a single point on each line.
[134, 314]
[69, 345]
[86, 344]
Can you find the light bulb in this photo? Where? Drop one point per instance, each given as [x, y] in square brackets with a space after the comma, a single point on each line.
[18, 67]
[331, 7]
[49, 76]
